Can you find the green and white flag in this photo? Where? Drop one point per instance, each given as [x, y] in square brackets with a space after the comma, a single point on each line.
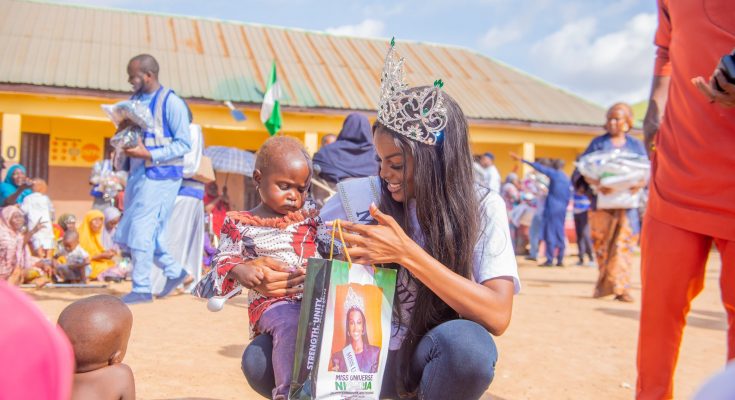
[270, 113]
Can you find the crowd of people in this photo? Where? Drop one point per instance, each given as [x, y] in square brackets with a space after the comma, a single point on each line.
[441, 218]
[37, 250]
[542, 205]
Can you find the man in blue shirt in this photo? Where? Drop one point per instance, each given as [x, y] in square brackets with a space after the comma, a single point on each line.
[156, 171]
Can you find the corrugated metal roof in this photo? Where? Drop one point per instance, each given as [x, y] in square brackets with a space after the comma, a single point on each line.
[57, 45]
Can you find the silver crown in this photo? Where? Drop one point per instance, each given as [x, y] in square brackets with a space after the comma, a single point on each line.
[352, 300]
[419, 115]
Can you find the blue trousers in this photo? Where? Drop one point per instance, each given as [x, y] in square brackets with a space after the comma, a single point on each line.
[553, 235]
[143, 261]
[584, 238]
[455, 360]
[537, 225]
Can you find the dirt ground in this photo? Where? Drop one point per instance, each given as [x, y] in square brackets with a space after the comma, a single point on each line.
[561, 344]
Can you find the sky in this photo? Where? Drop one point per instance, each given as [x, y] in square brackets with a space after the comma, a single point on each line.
[601, 50]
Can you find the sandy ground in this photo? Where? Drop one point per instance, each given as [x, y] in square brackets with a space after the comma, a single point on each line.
[561, 344]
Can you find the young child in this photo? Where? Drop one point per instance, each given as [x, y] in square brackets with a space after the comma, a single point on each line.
[71, 262]
[283, 226]
[39, 211]
[98, 328]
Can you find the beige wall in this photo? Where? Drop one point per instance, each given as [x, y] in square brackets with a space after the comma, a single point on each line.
[69, 190]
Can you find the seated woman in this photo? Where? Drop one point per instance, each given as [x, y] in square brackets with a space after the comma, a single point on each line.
[112, 218]
[90, 238]
[16, 263]
[15, 187]
[358, 354]
[448, 238]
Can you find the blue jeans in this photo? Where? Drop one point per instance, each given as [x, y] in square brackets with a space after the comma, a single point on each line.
[455, 360]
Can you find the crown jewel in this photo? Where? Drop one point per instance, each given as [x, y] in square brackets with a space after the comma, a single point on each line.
[352, 300]
[419, 115]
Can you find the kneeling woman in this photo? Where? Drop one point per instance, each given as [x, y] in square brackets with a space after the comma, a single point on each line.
[448, 238]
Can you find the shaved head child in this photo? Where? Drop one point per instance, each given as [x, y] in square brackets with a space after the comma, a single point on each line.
[98, 328]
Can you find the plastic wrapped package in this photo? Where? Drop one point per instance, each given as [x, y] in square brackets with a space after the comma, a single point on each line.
[617, 170]
[133, 111]
[619, 199]
[132, 118]
[107, 181]
[604, 164]
[126, 138]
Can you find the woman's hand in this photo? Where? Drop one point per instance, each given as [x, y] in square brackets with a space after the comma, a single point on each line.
[269, 277]
[595, 183]
[514, 156]
[591, 182]
[36, 228]
[27, 184]
[638, 186]
[377, 244]
[105, 255]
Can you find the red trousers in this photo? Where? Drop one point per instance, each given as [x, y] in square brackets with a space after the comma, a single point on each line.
[672, 274]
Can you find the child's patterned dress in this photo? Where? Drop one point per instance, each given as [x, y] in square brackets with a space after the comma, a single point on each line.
[291, 239]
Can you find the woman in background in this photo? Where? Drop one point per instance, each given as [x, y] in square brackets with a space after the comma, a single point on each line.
[15, 187]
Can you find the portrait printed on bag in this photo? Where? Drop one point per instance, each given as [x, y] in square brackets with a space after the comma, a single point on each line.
[357, 325]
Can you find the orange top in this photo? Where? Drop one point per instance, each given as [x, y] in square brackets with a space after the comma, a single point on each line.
[693, 170]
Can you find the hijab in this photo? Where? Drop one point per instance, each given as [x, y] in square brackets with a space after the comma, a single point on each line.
[64, 219]
[352, 155]
[89, 240]
[16, 252]
[110, 213]
[8, 187]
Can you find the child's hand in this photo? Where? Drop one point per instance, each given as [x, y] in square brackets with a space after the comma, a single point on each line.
[248, 276]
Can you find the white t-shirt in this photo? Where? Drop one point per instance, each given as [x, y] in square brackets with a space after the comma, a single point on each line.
[493, 256]
[38, 209]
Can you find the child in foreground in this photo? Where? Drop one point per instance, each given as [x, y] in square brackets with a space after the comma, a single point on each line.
[283, 226]
[98, 328]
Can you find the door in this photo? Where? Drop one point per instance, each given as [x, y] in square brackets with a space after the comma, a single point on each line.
[34, 148]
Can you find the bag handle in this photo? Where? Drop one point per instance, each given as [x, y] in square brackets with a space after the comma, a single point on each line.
[337, 227]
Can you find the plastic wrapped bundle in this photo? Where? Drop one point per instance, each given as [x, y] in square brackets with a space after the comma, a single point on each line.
[126, 138]
[132, 118]
[135, 112]
[106, 181]
[619, 171]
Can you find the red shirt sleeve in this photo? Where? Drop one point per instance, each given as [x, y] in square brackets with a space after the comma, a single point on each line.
[662, 67]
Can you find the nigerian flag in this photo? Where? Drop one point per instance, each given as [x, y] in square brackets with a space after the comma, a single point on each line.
[270, 113]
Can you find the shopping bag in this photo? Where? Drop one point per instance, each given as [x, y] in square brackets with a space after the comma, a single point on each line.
[205, 172]
[344, 330]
